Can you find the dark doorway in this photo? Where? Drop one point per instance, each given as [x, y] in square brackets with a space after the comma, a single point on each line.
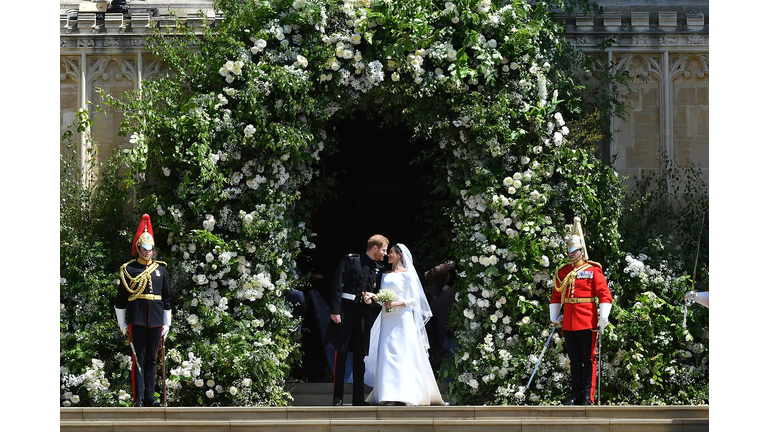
[377, 191]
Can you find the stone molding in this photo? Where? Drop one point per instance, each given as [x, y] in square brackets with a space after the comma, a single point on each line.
[674, 24]
[639, 29]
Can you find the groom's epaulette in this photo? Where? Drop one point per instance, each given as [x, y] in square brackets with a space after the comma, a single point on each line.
[162, 263]
[596, 264]
[353, 255]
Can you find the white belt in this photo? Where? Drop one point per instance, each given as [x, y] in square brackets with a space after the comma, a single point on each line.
[348, 296]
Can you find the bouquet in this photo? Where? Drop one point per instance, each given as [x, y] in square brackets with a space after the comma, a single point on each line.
[386, 295]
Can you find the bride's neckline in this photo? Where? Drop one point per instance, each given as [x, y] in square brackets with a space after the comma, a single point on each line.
[399, 271]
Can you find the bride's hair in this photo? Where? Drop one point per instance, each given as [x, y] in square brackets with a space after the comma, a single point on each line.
[395, 248]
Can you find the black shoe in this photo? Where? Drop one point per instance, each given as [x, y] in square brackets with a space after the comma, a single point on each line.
[337, 402]
[588, 401]
[360, 403]
[155, 403]
[138, 403]
[573, 401]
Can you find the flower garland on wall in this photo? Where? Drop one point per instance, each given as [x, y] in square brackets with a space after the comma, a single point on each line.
[234, 135]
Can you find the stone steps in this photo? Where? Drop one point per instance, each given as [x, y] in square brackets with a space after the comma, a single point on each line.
[389, 419]
[320, 394]
[311, 412]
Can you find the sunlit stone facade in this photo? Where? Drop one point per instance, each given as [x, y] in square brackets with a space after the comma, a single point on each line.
[664, 44]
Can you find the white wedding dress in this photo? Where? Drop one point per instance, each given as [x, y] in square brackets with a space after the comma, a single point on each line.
[397, 365]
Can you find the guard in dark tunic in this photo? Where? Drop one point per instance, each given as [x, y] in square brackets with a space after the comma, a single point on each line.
[143, 308]
[356, 277]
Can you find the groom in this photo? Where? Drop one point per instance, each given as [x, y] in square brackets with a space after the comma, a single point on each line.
[357, 276]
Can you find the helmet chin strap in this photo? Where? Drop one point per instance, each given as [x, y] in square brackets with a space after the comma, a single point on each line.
[143, 259]
[578, 258]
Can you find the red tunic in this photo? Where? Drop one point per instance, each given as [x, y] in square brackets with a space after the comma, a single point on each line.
[588, 282]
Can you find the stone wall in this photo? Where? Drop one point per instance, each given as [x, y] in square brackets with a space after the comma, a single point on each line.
[664, 44]
[665, 47]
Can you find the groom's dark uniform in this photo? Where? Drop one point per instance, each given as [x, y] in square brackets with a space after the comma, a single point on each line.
[355, 274]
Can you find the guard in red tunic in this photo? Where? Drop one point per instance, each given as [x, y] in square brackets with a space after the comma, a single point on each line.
[143, 308]
[579, 287]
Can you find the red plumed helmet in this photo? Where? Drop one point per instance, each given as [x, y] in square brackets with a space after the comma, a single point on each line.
[144, 235]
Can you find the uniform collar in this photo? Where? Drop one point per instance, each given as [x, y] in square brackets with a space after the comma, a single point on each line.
[366, 260]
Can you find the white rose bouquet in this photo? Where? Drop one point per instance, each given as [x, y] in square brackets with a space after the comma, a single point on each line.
[386, 295]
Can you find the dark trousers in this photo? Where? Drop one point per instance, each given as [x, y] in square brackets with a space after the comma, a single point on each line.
[358, 368]
[580, 345]
[146, 340]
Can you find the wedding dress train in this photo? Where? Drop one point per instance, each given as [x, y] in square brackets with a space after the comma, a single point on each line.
[397, 365]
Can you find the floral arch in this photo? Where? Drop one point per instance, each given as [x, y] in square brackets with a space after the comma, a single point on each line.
[233, 140]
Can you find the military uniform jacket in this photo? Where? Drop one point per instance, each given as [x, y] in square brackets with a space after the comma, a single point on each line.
[577, 288]
[145, 292]
[354, 275]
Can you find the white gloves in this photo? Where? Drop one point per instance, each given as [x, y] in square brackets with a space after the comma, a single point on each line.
[166, 322]
[605, 310]
[701, 298]
[121, 320]
[554, 313]
[124, 327]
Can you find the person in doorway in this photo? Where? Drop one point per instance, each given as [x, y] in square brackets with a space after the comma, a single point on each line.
[397, 366]
[356, 279]
[143, 308]
[441, 299]
[577, 285]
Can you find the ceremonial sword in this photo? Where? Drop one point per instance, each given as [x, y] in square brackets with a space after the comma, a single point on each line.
[135, 357]
[520, 394]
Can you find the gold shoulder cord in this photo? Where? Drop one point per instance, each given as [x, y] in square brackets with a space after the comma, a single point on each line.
[137, 285]
[558, 282]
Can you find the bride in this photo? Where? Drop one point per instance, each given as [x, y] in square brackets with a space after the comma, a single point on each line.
[397, 365]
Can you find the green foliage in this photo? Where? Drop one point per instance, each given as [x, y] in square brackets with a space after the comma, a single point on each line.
[651, 357]
[228, 150]
[92, 247]
[667, 218]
